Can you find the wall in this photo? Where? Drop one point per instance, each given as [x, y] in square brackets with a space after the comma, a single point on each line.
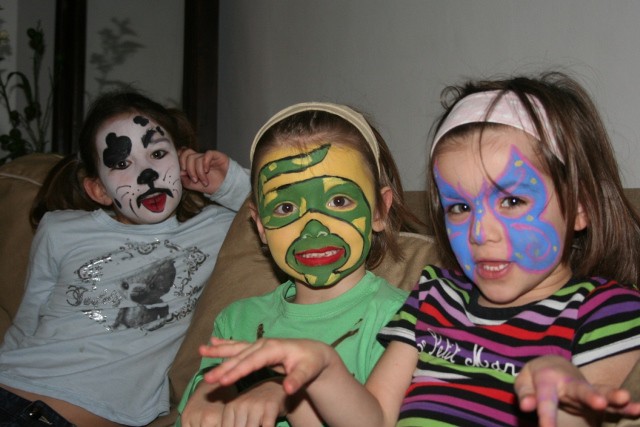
[137, 43]
[391, 60]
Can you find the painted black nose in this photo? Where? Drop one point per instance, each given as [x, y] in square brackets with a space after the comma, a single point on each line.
[147, 177]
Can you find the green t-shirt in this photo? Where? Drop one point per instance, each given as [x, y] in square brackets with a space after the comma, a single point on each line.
[349, 322]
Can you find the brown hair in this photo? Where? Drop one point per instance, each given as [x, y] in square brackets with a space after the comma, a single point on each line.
[314, 125]
[63, 188]
[588, 175]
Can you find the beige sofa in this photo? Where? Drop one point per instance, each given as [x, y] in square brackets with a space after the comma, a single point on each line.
[242, 269]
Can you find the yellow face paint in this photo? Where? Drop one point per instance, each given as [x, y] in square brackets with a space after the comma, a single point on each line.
[316, 208]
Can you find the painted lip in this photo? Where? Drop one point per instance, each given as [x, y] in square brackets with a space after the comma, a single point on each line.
[154, 199]
[492, 270]
[320, 257]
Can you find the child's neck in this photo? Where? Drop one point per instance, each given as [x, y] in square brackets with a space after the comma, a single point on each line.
[306, 294]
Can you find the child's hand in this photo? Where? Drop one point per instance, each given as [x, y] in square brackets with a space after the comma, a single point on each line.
[300, 360]
[203, 172]
[261, 405]
[551, 383]
[206, 406]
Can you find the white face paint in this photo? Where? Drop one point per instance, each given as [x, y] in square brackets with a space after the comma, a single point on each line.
[139, 168]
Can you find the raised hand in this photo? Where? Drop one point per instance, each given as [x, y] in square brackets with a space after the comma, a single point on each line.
[300, 360]
[551, 384]
[203, 172]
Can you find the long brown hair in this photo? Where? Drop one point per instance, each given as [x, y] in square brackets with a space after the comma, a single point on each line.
[588, 175]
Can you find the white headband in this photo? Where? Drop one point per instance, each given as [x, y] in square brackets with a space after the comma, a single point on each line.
[482, 107]
[350, 115]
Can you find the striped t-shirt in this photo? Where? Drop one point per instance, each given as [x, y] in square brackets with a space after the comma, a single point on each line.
[470, 355]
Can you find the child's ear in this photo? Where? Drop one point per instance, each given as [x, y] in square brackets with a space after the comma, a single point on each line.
[380, 218]
[256, 218]
[582, 219]
[96, 191]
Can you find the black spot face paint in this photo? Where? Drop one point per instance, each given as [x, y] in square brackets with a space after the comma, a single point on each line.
[140, 120]
[118, 149]
[146, 138]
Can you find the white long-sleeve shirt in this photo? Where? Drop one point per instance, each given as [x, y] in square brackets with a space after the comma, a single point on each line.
[107, 304]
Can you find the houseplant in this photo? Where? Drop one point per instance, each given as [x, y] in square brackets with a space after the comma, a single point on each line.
[29, 124]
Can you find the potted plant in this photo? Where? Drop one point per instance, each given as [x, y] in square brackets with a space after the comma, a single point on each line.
[30, 124]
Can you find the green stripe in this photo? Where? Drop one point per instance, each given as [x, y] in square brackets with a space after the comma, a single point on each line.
[419, 422]
[610, 330]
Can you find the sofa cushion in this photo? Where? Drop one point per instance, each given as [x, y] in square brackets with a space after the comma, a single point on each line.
[20, 181]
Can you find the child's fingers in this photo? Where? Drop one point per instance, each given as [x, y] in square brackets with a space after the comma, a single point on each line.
[241, 359]
[525, 391]
[223, 349]
[210, 157]
[202, 169]
[261, 354]
[184, 156]
[584, 394]
[188, 166]
[619, 401]
[547, 411]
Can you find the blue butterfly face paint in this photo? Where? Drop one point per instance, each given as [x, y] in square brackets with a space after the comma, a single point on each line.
[513, 204]
[503, 217]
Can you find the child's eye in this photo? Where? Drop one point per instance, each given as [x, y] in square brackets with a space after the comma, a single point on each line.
[340, 202]
[122, 164]
[158, 154]
[511, 202]
[458, 208]
[285, 209]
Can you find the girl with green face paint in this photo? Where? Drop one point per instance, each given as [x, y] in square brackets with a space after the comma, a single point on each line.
[327, 201]
[315, 211]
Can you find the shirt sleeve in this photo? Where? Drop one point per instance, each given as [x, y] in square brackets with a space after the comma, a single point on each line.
[402, 326]
[235, 188]
[41, 279]
[608, 324]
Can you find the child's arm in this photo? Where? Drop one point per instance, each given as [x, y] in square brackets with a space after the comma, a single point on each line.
[550, 384]
[213, 404]
[206, 404]
[203, 172]
[338, 398]
[264, 403]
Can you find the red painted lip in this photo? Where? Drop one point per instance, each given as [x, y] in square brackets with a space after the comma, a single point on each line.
[319, 257]
[492, 270]
[155, 203]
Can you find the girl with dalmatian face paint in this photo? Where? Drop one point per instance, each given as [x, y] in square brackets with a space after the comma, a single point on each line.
[139, 169]
[129, 232]
[327, 202]
[541, 244]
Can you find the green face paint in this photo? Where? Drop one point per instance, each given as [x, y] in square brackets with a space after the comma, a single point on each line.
[316, 209]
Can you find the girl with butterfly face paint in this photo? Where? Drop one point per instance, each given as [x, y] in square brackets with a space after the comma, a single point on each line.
[540, 242]
[118, 263]
[327, 203]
